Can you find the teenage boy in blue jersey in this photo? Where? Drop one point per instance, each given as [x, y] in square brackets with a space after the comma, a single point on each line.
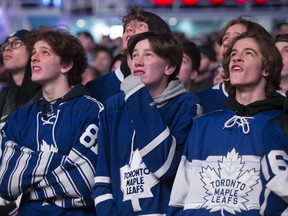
[134, 22]
[274, 166]
[50, 145]
[219, 173]
[214, 98]
[143, 130]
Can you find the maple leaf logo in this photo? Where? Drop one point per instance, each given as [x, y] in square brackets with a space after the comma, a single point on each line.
[228, 187]
[137, 181]
[48, 148]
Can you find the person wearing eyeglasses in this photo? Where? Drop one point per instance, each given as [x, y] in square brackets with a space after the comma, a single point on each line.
[50, 145]
[20, 88]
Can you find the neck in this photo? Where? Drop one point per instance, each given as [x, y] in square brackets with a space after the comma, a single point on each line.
[18, 77]
[51, 94]
[284, 84]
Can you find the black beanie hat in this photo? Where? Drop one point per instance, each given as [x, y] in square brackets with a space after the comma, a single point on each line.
[21, 34]
[157, 24]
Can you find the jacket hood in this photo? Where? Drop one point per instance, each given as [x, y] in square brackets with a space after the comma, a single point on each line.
[77, 91]
[255, 107]
[174, 88]
[27, 90]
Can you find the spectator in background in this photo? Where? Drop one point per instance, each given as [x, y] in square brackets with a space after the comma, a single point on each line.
[219, 173]
[117, 61]
[190, 64]
[20, 89]
[89, 74]
[280, 28]
[50, 146]
[281, 42]
[15, 60]
[208, 62]
[149, 120]
[274, 166]
[88, 43]
[102, 61]
[215, 97]
[134, 22]
[3, 74]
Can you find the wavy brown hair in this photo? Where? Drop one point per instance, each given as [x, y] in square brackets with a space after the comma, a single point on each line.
[65, 45]
[271, 62]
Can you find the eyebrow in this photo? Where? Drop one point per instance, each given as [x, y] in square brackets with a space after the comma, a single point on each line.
[245, 49]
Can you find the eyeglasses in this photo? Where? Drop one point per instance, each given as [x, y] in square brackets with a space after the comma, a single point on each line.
[14, 44]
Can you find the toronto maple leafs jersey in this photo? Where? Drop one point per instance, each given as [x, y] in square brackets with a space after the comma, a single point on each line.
[106, 85]
[274, 167]
[140, 145]
[213, 98]
[219, 173]
[49, 153]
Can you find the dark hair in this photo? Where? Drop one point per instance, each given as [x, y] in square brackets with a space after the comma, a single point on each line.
[164, 45]
[119, 57]
[271, 62]
[86, 34]
[66, 46]
[208, 51]
[134, 13]
[154, 22]
[104, 49]
[251, 26]
[193, 52]
[281, 38]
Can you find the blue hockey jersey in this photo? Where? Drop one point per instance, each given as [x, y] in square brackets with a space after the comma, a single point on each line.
[274, 167]
[141, 141]
[219, 173]
[49, 153]
[106, 85]
[213, 98]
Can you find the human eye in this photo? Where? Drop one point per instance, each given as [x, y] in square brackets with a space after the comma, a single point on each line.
[45, 52]
[17, 43]
[134, 54]
[232, 54]
[249, 53]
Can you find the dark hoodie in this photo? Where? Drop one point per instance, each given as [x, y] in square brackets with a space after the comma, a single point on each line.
[255, 107]
[16, 96]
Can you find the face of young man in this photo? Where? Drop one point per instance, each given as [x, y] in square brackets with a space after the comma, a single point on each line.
[283, 49]
[132, 28]
[245, 68]
[186, 74]
[153, 70]
[15, 59]
[45, 64]
[231, 32]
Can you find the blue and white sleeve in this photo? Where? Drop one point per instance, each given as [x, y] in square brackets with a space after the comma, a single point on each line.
[102, 190]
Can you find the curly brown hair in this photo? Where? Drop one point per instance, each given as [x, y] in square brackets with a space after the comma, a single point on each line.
[65, 45]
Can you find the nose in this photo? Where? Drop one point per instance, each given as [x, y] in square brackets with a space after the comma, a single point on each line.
[7, 47]
[138, 62]
[130, 30]
[236, 58]
[34, 57]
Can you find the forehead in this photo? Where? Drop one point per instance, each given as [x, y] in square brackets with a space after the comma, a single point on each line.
[144, 44]
[281, 44]
[12, 39]
[42, 43]
[236, 28]
[245, 43]
[135, 22]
